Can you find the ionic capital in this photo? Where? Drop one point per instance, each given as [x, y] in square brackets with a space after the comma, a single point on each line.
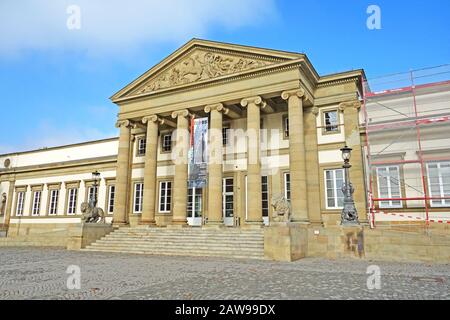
[218, 107]
[123, 123]
[349, 104]
[315, 110]
[180, 113]
[152, 118]
[300, 93]
[255, 100]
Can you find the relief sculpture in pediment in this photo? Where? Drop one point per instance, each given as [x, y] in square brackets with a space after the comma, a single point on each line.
[201, 66]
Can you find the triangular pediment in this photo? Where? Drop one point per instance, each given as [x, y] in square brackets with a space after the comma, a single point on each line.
[202, 61]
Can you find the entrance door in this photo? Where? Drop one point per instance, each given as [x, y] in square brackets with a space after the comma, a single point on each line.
[195, 207]
[265, 199]
[228, 201]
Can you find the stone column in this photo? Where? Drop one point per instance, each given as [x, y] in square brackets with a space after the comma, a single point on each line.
[353, 140]
[215, 164]
[312, 166]
[180, 158]
[151, 154]
[254, 198]
[297, 160]
[9, 202]
[122, 173]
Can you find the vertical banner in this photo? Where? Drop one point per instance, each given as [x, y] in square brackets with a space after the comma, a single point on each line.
[198, 153]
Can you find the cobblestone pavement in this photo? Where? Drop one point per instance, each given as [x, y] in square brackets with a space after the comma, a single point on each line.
[40, 273]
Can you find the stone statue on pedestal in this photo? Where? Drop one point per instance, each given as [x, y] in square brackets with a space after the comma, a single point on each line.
[3, 204]
[281, 209]
[91, 213]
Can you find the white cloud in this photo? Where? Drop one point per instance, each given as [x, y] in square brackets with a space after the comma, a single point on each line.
[116, 26]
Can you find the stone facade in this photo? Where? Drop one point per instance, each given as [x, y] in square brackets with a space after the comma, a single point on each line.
[275, 127]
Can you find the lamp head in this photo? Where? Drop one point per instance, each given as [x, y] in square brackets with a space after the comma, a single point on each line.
[346, 153]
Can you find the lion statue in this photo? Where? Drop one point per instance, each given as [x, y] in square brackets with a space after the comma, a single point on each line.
[281, 209]
[92, 214]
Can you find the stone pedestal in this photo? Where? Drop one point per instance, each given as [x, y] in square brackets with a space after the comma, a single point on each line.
[285, 241]
[83, 234]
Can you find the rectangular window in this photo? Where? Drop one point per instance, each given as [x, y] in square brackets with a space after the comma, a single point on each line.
[194, 205]
[439, 183]
[20, 203]
[167, 142]
[331, 121]
[228, 197]
[225, 135]
[165, 196]
[53, 206]
[334, 180]
[141, 146]
[111, 196]
[388, 179]
[286, 126]
[265, 195]
[72, 201]
[287, 186]
[138, 196]
[36, 208]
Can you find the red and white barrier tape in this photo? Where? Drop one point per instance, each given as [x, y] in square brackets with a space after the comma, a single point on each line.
[412, 217]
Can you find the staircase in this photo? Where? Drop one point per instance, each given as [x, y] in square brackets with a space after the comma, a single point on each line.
[226, 242]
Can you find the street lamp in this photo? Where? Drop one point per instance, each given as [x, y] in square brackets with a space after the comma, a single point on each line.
[96, 178]
[349, 214]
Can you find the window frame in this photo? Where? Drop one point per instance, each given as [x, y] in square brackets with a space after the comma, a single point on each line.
[36, 203]
[225, 134]
[325, 130]
[267, 201]
[138, 206]
[53, 202]
[226, 194]
[335, 188]
[285, 126]
[166, 203]
[163, 135]
[72, 204]
[108, 199]
[443, 203]
[285, 185]
[381, 204]
[20, 200]
[141, 146]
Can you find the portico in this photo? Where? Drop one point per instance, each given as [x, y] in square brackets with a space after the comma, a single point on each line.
[245, 94]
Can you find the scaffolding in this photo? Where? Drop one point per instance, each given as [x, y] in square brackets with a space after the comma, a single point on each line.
[406, 123]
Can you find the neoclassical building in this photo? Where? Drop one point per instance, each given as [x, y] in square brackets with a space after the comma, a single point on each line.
[211, 137]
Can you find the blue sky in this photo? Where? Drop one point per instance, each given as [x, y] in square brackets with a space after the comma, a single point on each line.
[55, 83]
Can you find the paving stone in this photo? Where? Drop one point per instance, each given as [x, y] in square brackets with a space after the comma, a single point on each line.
[40, 273]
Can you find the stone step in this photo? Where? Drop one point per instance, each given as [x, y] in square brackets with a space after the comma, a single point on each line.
[183, 242]
[175, 245]
[191, 238]
[166, 251]
[191, 233]
[185, 251]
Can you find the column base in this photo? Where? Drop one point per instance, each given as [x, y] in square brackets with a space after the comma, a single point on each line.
[178, 224]
[214, 225]
[149, 223]
[253, 225]
[301, 221]
[120, 224]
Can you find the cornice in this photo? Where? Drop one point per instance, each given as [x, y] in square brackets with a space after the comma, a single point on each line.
[337, 82]
[59, 165]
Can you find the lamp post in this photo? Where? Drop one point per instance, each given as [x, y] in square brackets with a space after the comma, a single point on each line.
[349, 214]
[96, 178]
